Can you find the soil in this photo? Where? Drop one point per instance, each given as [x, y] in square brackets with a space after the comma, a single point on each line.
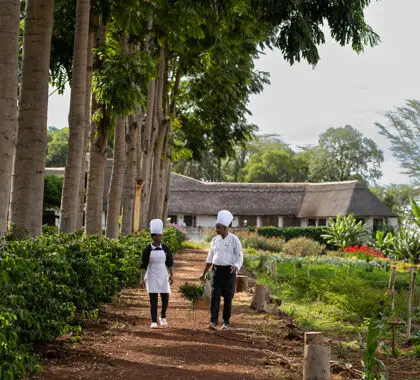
[121, 345]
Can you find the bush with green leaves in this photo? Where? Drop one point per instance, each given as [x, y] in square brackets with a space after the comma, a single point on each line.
[373, 368]
[192, 293]
[303, 247]
[253, 240]
[406, 245]
[346, 231]
[47, 281]
[384, 242]
[287, 233]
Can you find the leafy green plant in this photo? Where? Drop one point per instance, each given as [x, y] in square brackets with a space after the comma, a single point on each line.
[346, 231]
[253, 240]
[287, 233]
[373, 368]
[406, 245]
[384, 242]
[303, 246]
[47, 282]
[415, 208]
[192, 293]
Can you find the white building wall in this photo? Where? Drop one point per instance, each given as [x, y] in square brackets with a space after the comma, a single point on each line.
[210, 221]
[235, 222]
[369, 221]
[205, 221]
[180, 219]
[393, 222]
[280, 222]
[304, 222]
[259, 223]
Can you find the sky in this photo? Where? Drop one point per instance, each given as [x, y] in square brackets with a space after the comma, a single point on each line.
[344, 88]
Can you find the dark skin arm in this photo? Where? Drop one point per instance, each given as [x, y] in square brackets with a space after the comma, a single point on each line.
[206, 269]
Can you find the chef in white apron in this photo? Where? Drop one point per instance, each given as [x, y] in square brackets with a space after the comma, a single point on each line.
[158, 262]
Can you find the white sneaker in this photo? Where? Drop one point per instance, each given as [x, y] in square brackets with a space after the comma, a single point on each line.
[154, 325]
[163, 322]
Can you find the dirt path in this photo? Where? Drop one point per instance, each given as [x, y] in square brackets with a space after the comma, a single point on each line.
[121, 345]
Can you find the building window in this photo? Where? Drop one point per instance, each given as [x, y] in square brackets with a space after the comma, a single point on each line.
[311, 222]
[189, 220]
[322, 222]
[270, 220]
[173, 219]
[378, 223]
[247, 221]
[290, 221]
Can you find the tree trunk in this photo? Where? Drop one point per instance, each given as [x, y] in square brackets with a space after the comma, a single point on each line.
[165, 173]
[161, 124]
[28, 174]
[316, 365]
[129, 192]
[147, 155]
[9, 38]
[96, 178]
[167, 190]
[77, 121]
[117, 179]
[97, 157]
[88, 110]
[259, 300]
[241, 283]
[156, 200]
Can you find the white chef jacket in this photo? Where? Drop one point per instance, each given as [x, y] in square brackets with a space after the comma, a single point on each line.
[227, 251]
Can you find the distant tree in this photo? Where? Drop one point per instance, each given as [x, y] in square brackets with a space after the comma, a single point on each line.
[403, 133]
[58, 145]
[344, 154]
[53, 186]
[397, 197]
[282, 165]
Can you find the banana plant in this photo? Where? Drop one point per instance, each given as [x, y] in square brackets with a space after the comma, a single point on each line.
[416, 211]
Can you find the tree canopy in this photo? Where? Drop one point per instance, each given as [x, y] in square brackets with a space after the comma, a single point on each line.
[344, 154]
[403, 132]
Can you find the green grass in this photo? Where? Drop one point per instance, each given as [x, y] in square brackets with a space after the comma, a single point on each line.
[338, 294]
[194, 244]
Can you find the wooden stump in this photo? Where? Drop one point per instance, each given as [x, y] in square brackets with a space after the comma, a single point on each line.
[241, 283]
[316, 364]
[259, 300]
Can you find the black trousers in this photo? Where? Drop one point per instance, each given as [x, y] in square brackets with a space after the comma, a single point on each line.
[222, 285]
[164, 297]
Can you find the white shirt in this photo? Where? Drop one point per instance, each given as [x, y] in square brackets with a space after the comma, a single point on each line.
[227, 251]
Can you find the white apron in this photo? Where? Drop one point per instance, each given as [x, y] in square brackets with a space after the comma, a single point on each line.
[157, 277]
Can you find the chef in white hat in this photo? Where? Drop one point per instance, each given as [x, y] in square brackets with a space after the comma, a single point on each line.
[158, 262]
[225, 258]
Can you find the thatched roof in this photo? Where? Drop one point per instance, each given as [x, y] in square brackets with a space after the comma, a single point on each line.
[305, 200]
[325, 200]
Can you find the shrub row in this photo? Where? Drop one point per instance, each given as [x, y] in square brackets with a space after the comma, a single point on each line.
[47, 281]
[287, 233]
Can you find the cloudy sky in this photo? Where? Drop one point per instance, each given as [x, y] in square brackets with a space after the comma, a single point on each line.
[344, 88]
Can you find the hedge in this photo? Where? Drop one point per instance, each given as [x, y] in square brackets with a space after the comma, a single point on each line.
[47, 282]
[288, 233]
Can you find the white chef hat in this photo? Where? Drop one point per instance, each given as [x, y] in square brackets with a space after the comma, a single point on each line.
[224, 217]
[156, 226]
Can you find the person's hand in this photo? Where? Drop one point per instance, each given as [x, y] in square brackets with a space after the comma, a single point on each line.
[203, 277]
[142, 284]
[171, 280]
[234, 269]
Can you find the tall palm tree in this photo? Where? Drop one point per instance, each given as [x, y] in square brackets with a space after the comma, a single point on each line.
[117, 180]
[77, 120]
[31, 146]
[9, 40]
